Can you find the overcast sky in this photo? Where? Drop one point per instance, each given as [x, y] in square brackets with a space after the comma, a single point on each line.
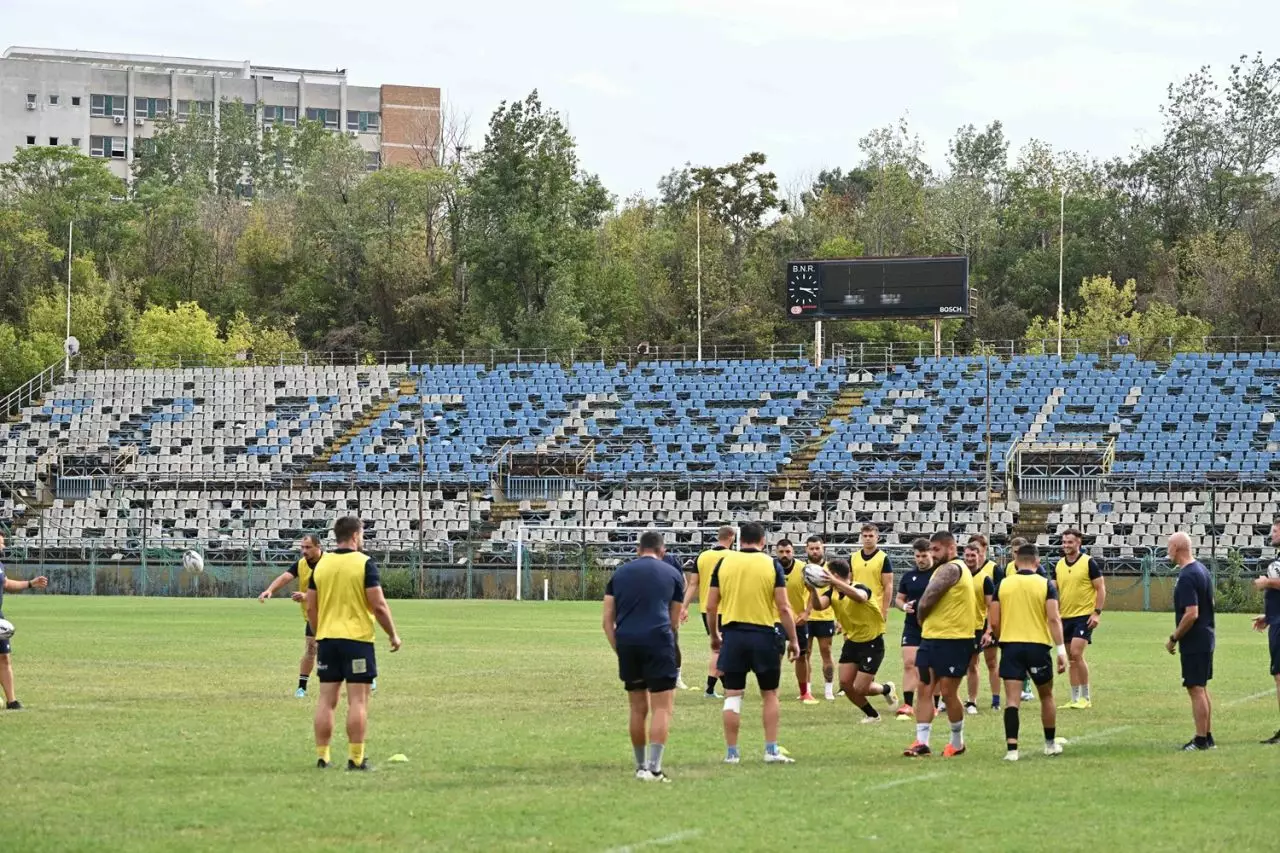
[647, 85]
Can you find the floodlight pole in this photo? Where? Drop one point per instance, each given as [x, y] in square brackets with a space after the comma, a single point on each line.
[698, 226]
[1062, 246]
[988, 497]
[66, 363]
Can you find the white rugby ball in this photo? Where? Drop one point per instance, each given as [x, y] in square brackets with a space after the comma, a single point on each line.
[815, 576]
[1273, 570]
[193, 562]
[6, 629]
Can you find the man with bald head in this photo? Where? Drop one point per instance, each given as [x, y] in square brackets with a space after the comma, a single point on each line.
[1193, 638]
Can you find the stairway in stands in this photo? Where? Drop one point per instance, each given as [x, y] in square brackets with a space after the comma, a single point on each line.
[1033, 519]
[407, 385]
[796, 472]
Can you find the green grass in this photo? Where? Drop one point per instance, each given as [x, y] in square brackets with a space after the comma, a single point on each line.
[166, 724]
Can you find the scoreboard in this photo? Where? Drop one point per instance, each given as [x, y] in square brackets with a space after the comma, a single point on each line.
[878, 288]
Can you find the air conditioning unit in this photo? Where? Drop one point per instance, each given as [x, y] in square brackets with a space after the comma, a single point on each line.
[30, 105]
[137, 121]
[118, 119]
[353, 133]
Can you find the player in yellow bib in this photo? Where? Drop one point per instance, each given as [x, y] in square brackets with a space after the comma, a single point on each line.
[311, 553]
[798, 597]
[946, 617]
[1025, 618]
[857, 611]
[822, 623]
[698, 583]
[983, 572]
[1083, 594]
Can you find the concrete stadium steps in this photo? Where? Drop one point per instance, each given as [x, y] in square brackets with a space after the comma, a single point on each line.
[405, 387]
[796, 473]
[1033, 520]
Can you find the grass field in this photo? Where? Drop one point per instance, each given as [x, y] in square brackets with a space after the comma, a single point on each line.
[166, 724]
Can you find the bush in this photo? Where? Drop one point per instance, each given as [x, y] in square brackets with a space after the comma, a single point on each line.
[398, 583]
[1235, 592]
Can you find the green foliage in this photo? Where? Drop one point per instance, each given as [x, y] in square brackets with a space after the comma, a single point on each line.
[398, 583]
[1233, 591]
[185, 334]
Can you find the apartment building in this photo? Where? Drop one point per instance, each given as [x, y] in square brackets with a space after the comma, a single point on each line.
[107, 104]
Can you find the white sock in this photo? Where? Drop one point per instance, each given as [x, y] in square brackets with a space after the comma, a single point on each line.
[808, 689]
[957, 735]
[1075, 693]
[831, 691]
[923, 730]
[1084, 692]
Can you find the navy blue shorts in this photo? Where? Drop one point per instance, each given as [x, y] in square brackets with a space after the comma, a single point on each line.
[866, 656]
[1077, 627]
[748, 651]
[802, 636]
[946, 658]
[1273, 639]
[647, 666]
[308, 631]
[911, 635]
[1197, 668]
[4, 647]
[351, 661]
[1020, 661]
[823, 628]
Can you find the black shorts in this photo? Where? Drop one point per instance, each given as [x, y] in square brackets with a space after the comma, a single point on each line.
[977, 640]
[308, 631]
[1077, 627]
[748, 651]
[1197, 668]
[802, 637]
[647, 666]
[822, 629]
[351, 661]
[1273, 639]
[911, 635]
[4, 647]
[867, 656]
[947, 658]
[1020, 661]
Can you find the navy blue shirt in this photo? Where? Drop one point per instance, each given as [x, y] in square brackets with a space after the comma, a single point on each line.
[913, 584]
[643, 591]
[1195, 589]
[1271, 597]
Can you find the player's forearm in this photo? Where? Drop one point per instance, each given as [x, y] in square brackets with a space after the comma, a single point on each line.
[383, 615]
[1055, 630]
[1269, 583]
[1188, 620]
[887, 599]
[691, 592]
[11, 585]
[1101, 591]
[788, 621]
[279, 582]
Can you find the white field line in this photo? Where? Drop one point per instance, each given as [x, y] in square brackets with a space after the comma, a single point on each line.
[657, 842]
[1096, 735]
[910, 780]
[1244, 699]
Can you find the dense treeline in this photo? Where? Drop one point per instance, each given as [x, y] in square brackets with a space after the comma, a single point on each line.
[230, 241]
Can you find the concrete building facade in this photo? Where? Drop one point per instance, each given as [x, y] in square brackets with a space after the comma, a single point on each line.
[106, 104]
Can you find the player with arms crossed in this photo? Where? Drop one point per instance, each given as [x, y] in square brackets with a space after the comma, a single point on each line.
[946, 619]
[798, 596]
[1269, 621]
[1084, 595]
[983, 589]
[8, 584]
[822, 625]
[698, 582]
[857, 610]
[344, 598]
[641, 606]
[748, 599]
[986, 569]
[311, 553]
[913, 584]
[1194, 636]
[1024, 616]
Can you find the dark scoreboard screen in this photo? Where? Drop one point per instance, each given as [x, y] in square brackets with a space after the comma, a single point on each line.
[878, 288]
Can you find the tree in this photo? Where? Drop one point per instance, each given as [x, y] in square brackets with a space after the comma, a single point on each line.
[738, 195]
[167, 337]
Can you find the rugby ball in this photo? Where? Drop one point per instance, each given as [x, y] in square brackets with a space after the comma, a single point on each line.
[193, 562]
[6, 629]
[815, 576]
[1273, 570]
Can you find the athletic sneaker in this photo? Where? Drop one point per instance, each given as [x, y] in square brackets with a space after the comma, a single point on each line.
[809, 699]
[1011, 755]
[950, 751]
[711, 695]
[1274, 739]
[1027, 696]
[1190, 746]
[15, 705]
[1080, 705]
[642, 773]
[321, 764]
[1212, 743]
[732, 759]
[363, 765]
[892, 696]
[1053, 749]
[651, 776]
[995, 704]
[680, 685]
[971, 708]
[374, 685]
[778, 758]
[906, 712]
[300, 693]
[918, 750]
[869, 720]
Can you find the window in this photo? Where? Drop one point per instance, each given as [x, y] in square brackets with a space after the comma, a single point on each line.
[151, 108]
[107, 146]
[75, 140]
[279, 115]
[31, 140]
[329, 118]
[144, 146]
[251, 110]
[363, 121]
[53, 140]
[373, 161]
[53, 100]
[107, 105]
[190, 108]
[75, 100]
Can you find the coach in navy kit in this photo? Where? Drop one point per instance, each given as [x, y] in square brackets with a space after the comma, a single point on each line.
[1193, 636]
[641, 605]
[1269, 621]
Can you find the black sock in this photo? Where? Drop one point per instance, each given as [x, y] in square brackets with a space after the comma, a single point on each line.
[302, 681]
[1208, 736]
[869, 710]
[1011, 724]
[886, 690]
[1050, 735]
[711, 684]
[910, 697]
[1201, 741]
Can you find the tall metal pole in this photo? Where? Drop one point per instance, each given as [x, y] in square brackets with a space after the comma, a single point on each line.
[1062, 248]
[699, 274]
[422, 467]
[988, 500]
[66, 364]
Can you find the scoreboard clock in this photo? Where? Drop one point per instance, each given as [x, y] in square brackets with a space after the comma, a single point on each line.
[878, 288]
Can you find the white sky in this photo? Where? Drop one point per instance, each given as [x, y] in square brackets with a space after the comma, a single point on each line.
[649, 84]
